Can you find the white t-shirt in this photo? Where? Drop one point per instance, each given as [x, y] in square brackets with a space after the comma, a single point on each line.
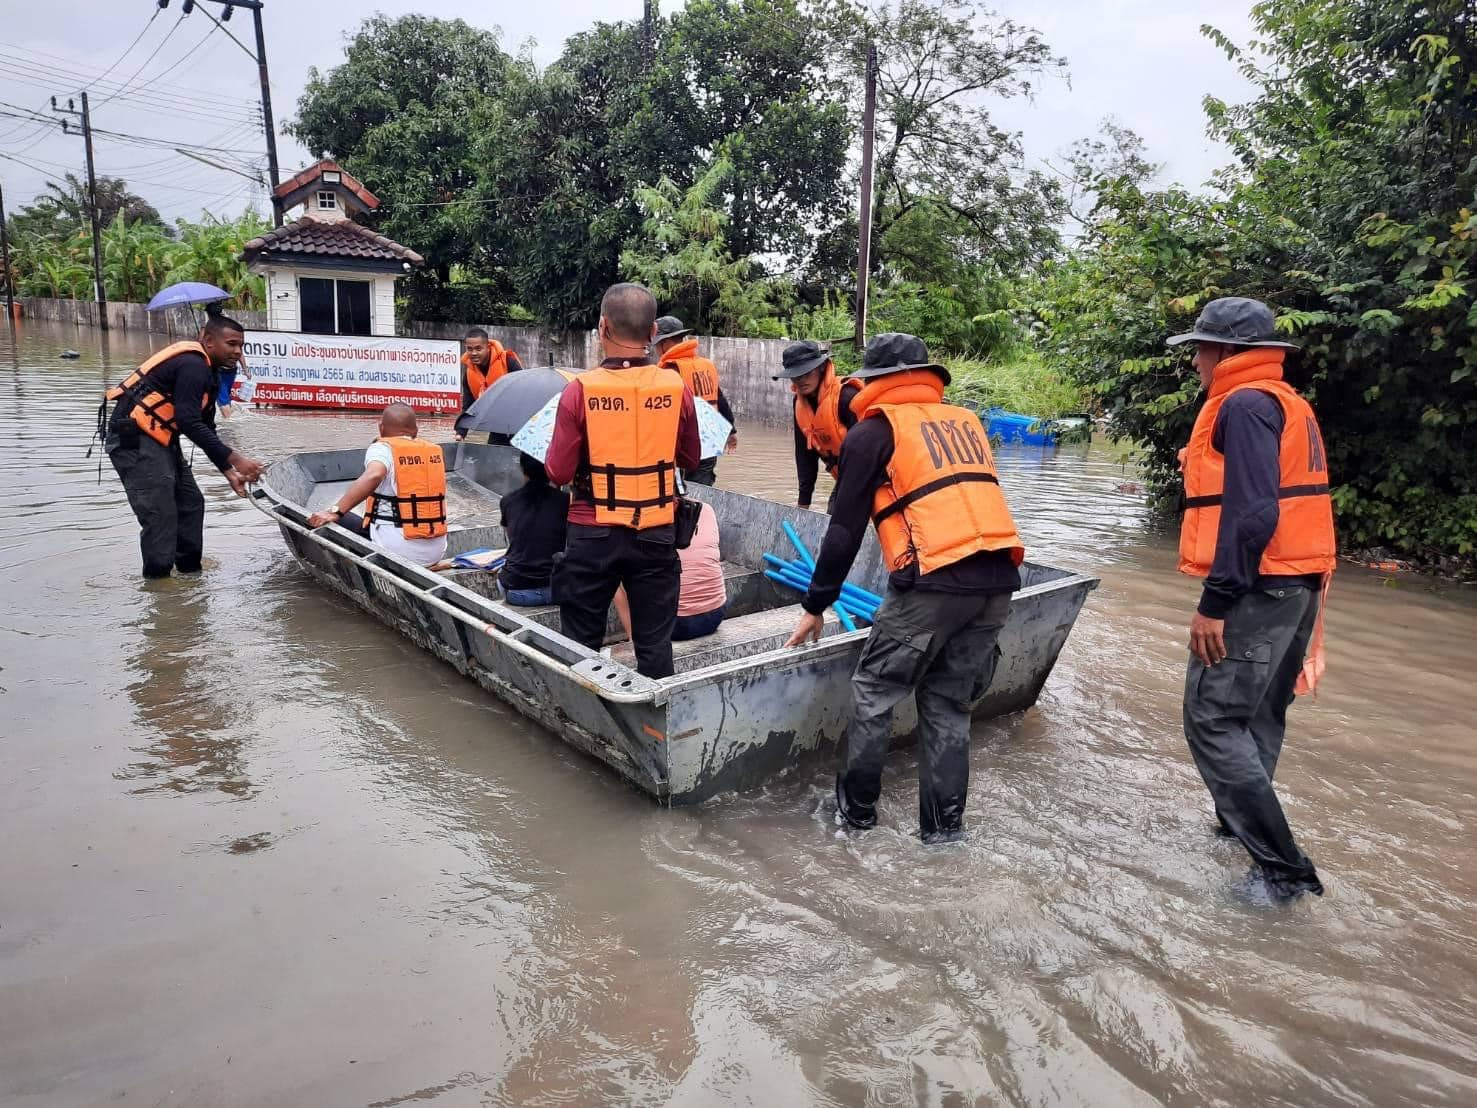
[423, 552]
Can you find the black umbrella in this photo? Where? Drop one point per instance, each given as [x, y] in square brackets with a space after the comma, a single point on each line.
[513, 401]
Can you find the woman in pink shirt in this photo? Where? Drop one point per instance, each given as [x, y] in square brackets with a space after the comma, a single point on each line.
[703, 600]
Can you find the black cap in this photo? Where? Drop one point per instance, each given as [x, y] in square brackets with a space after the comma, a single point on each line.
[895, 352]
[669, 327]
[1235, 321]
[800, 358]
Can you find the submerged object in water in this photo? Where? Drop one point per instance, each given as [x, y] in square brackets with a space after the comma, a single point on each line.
[1034, 431]
[69, 354]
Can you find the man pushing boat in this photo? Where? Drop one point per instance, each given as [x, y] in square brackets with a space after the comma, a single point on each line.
[922, 471]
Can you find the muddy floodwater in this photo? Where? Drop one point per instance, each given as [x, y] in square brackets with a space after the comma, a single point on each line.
[256, 849]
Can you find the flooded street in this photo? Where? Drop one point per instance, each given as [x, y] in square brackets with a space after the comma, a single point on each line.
[260, 850]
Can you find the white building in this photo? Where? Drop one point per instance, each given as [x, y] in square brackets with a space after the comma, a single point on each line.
[327, 275]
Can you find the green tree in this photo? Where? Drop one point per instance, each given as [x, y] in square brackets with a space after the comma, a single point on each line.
[210, 251]
[1350, 209]
[683, 258]
[950, 190]
[403, 113]
[750, 79]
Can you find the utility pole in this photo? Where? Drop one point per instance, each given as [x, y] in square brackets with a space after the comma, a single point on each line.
[260, 57]
[864, 216]
[5, 261]
[99, 290]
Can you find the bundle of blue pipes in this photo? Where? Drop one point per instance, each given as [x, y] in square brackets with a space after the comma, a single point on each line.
[853, 604]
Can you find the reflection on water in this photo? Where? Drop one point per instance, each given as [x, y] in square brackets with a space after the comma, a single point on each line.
[241, 787]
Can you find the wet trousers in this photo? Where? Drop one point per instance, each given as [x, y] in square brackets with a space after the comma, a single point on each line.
[163, 495]
[940, 647]
[596, 561]
[1236, 716]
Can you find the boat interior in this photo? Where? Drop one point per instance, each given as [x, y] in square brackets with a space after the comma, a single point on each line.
[761, 615]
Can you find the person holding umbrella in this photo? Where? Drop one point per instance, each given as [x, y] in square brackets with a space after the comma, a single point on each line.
[172, 396]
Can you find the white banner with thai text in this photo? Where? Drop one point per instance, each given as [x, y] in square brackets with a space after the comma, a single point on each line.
[354, 371]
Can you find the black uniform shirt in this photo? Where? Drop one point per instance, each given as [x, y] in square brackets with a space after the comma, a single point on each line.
[186, 379]
[864, 457]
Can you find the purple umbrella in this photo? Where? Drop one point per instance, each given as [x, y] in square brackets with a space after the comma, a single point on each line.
[186, 293]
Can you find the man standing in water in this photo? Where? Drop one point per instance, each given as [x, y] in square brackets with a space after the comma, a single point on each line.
[922, 471]
[1258, 528]
[822, 415]
[173, 394]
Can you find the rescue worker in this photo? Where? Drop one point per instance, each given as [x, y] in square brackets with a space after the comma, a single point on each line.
[173, 395]
[922, 471]
[404, 480]
[823, 412]
[1258, 528]
[621, 433]
[675, 349]
[485, 363]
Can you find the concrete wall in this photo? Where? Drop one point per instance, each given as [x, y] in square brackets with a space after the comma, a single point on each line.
[128, 317]
[745, 366]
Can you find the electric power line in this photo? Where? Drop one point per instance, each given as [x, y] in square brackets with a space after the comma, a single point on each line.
[29, 73]
[137, 38]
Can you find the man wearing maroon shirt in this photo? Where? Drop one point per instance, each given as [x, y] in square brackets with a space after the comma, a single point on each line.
[602, 553]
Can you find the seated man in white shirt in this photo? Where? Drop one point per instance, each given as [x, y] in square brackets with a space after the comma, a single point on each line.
[404, 480]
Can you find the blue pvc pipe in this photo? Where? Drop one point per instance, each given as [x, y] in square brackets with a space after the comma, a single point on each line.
[794, 537]
[844, 613]
[858, 600]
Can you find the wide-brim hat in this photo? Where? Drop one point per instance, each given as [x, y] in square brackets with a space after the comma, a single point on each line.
[800, 358]
[1234, 321]
[669, 327]
[895, 352]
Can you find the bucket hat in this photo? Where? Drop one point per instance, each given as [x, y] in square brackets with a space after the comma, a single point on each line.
[1236, 321]
[895, 352]
[669, 327]
[800, 358]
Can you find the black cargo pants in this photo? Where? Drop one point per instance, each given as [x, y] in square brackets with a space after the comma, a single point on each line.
[1235, 717]
[165, 499]
[941, 646]
[596, 561]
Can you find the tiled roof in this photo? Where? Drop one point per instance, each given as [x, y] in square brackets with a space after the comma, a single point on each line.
[338, 238]
[313, 172]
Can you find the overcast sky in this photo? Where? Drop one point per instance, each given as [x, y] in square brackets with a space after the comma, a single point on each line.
[1142, 62]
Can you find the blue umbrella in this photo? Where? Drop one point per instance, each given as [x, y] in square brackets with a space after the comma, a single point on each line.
[186, 293]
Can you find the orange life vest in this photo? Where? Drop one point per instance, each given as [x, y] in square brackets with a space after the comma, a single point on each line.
[418, 507]
[152, 410]
[1303, 542]
[631, 419]
[698, 373]
[821, 425]
[942, 500]
[478, 381]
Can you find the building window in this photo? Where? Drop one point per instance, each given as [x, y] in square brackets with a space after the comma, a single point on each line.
[331, 177]
[327, 201]
[331, 307]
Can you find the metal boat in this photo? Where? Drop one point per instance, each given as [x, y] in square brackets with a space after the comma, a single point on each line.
[740, 709]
